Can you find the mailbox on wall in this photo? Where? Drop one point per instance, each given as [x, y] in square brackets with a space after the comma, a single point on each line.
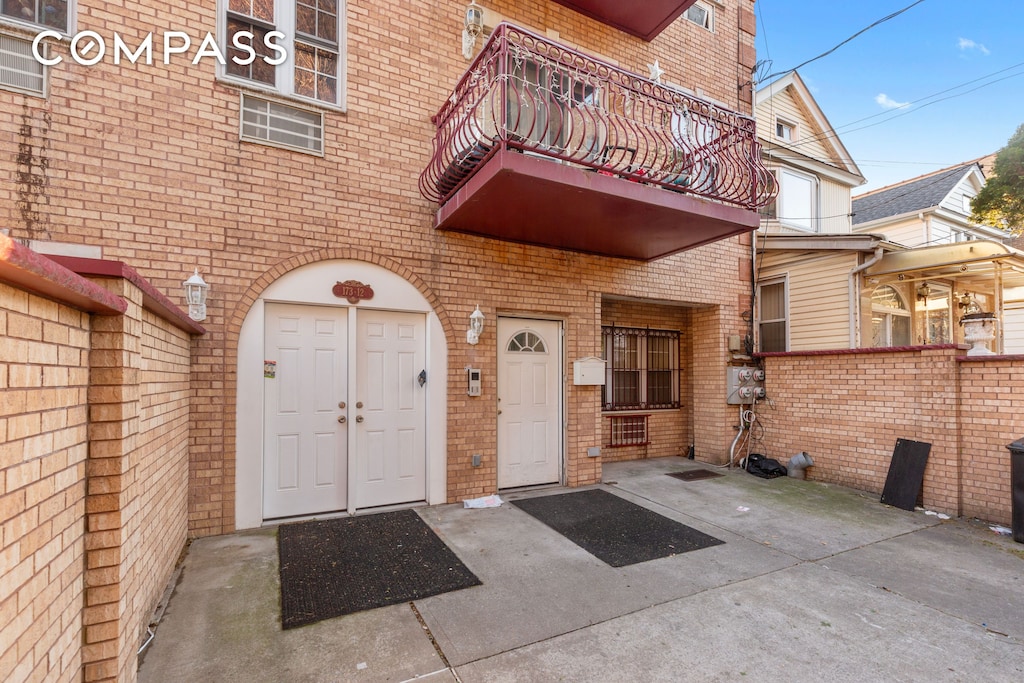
[588, 371]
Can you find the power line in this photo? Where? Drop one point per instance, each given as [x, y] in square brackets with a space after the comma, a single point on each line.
[894, 114]
[827, 53]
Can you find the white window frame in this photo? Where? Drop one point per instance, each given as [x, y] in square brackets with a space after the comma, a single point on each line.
[797, 217]
[781, 125]
[709, 16]
[888, 314]
[775, 281]
[36, 27]
[275, 143]
[44, 71]
[284, 86]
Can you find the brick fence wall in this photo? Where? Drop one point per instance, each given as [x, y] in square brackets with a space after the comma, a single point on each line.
[848, 408]
[44, 370]
[93, 466]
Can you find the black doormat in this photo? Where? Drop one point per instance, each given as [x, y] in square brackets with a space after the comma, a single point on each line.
[340, 566]
[694, 475]
[613, 529]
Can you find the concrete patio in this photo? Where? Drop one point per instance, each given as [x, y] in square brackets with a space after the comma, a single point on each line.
[814, 583]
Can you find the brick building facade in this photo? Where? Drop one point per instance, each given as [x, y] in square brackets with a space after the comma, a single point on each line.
[279, 182]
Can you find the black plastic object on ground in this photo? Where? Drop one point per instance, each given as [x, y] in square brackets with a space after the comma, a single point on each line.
[1017, 489]
[906, 473]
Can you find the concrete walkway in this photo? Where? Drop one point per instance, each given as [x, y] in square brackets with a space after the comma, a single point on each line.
[813, 583]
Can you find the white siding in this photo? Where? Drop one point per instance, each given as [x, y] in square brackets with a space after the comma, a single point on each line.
[835, 207]
[783, 105]
[1013, 329]
[819, 310]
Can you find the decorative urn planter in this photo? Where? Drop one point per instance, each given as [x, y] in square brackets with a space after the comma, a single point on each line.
[979, 330]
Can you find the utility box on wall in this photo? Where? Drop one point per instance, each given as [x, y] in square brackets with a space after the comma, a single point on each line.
[588, 371]
[744, 385]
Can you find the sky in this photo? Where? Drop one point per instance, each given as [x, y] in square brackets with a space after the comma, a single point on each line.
[938, 85]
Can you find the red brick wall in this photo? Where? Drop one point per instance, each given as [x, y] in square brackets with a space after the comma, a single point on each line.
[44, 374]
[93, 477]
[991, 403]
[146, 162]
[848, 408]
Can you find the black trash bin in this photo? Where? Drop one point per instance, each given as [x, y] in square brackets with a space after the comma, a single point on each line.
[1017, 488]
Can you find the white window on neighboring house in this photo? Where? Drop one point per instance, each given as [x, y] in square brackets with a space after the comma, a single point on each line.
[19, 70]
[785, 130]
[53, 14]
[772, 316]
[967, 203]
[702, 14]
[797, 203]
[312, 65]
[890, 318]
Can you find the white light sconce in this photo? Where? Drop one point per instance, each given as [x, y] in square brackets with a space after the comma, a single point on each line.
[195, 295]
[474, 26]
[476, 326]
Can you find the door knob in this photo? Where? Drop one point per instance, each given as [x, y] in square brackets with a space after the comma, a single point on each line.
[341, 419]
[342, 405]
[499, 412]
[359, 418]
[359, 404]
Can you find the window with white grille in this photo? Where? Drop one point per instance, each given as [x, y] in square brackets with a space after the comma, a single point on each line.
[19, 70]
[313, 45]
[49, 13]
[279, 124]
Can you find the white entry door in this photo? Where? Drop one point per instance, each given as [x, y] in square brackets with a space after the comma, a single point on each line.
[305, 462]
[390, 408]
[343, 427]
[529, 405]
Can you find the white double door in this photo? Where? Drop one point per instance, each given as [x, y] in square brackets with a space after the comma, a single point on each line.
[344, 409]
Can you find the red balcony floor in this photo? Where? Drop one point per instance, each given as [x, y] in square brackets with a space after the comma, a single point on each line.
[523, 198]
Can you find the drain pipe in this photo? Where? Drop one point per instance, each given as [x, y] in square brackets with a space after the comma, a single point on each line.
[798, 464]
[854, 296]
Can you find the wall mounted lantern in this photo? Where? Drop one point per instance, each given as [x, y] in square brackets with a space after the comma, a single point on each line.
[474, 26]
[195, 295]
[476, 326]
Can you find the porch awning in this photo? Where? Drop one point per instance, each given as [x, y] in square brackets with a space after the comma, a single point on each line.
[973, 262]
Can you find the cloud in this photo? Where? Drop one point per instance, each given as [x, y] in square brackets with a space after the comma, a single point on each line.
[888, 103]
[966, 44]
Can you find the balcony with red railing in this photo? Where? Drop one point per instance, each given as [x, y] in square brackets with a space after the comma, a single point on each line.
[545, 145]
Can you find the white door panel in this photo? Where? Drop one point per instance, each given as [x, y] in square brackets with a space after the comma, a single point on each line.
[529, 402]
[390, 451]
[305, 458]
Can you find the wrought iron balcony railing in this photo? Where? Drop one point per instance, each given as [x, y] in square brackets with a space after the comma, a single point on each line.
[524, 92]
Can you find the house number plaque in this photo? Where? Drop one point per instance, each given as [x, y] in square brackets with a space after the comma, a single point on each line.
[352, 291]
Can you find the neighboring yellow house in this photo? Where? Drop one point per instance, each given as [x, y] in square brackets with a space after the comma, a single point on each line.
[898, 266]
[806, 241]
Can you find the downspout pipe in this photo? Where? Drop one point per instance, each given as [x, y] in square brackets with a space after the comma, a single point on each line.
[854, 296]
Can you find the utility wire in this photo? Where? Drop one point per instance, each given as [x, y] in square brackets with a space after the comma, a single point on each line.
[863, 30]
[909, 108]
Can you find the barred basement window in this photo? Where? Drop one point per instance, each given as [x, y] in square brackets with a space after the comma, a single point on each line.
[643, 368]
[629, 430]
[18, 68]
[279, 124]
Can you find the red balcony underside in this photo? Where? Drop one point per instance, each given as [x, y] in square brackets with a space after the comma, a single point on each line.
[645, 22]
[522, 198]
